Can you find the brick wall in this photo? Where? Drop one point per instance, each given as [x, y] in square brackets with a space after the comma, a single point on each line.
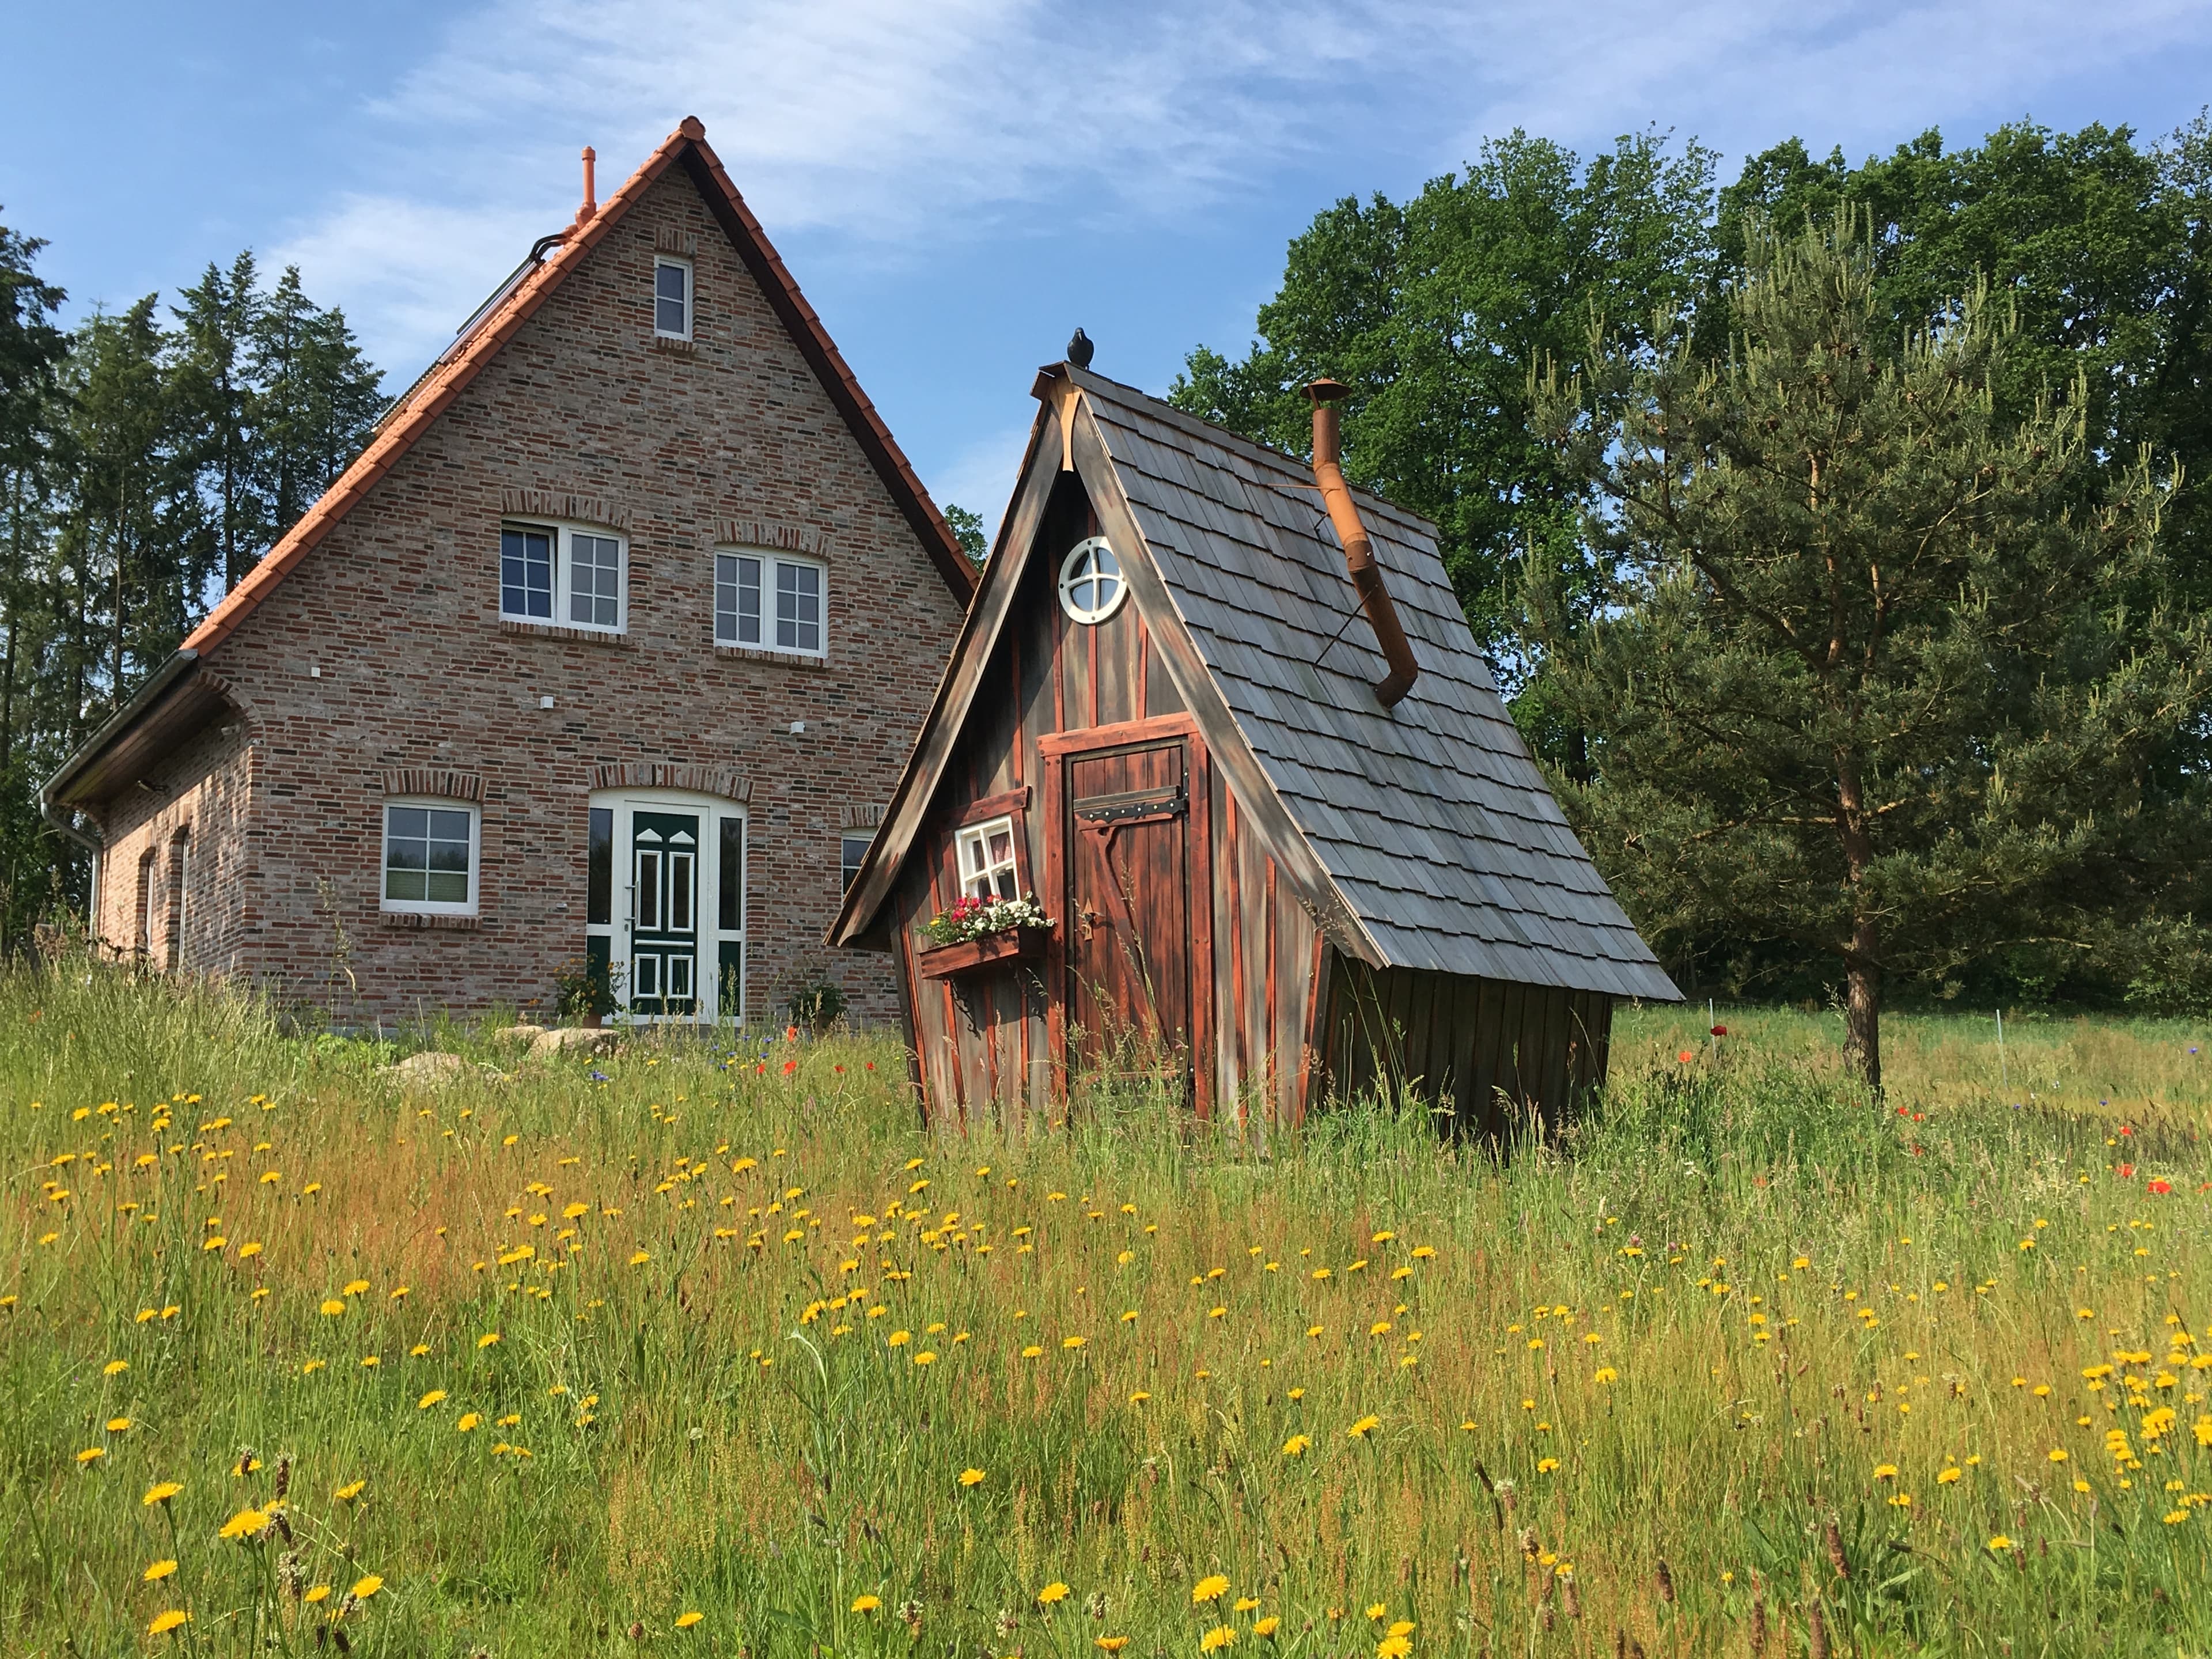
[383, 652]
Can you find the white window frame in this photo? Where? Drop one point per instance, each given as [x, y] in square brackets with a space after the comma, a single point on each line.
[771, 564]
[564, 565]
[430, 906]
[1082, 570]
[977, 837]
[670, 262]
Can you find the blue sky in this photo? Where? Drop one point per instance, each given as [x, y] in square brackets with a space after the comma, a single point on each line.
[956, 185]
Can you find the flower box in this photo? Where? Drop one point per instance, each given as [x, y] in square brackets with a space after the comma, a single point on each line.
[1014, 945]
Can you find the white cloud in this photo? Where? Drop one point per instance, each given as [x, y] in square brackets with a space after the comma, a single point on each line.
[894, 131]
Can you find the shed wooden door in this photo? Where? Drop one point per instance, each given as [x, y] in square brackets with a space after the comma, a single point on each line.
[1127, 856]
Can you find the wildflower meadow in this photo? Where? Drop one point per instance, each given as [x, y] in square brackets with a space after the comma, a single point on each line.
[707, 1345]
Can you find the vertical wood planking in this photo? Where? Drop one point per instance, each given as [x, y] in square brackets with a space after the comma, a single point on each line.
[1199, 906]
[1233, 1030]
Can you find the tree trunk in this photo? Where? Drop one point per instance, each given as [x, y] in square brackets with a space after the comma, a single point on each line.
[1862, 957]
[1863, 1006]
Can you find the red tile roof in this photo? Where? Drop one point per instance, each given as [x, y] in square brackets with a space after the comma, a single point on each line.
[686, 147]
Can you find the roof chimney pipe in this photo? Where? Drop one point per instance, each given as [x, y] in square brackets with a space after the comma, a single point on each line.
[1358, 551]
[591, 185]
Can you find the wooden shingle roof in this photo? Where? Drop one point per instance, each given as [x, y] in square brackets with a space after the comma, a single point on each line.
[1432, 818]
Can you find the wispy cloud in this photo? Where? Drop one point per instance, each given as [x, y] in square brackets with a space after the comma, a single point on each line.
[893, 132]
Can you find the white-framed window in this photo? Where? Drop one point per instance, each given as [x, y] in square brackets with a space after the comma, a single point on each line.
[430, 856]
[852, 854]
[1091, 585]
[989, 869]
[672, 298]
[565, 574]
[772, 601]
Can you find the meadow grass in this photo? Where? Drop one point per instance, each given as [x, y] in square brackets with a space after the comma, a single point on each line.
[709, 1347]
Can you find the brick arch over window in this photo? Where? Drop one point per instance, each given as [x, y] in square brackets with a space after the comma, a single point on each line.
[436, 781]
[700, 780]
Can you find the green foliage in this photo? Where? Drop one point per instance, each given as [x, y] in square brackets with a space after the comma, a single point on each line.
[1892, 678]
[143, 469]
[1437, 310]
[968, 528]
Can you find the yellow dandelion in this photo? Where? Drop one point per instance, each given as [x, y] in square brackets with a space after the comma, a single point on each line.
[367, 1587]
[971, 1477]
[158, 1570]
[162, 1493]
[91, 1454]
[1217, 1639]
[244, 1524]
[430, 1400]
[866, 1603]
[1212, 1588]
[686, 1620]
[1297, 1444]
[165, 1622]
[1363, 1428]
[1052, 1593]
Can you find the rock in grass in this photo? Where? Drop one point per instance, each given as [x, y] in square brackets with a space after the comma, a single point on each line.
[572, 1040]
[428, 1069]
[520, 1033]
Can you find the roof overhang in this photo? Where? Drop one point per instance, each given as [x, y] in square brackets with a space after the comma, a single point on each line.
[178, 700]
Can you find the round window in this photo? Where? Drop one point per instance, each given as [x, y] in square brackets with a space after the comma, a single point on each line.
[1091, 587]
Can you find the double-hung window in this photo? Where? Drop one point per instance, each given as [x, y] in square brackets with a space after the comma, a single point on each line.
[771, 601]
[430, 857]
[671, 299]
[558, 574]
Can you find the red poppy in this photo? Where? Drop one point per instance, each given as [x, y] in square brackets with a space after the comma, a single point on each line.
[789, 1067]
[2127, 1171]
[1720, 1030]
[839, 1070]
[2125, 1130]
[2160, 1189]
[1919, 1118]
[872, 1064]
[1685, 1056]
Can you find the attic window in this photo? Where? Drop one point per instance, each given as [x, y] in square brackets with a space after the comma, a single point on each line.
[1091, 587]
[671, 299]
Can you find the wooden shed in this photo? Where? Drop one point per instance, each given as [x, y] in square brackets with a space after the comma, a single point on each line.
[1274, 869]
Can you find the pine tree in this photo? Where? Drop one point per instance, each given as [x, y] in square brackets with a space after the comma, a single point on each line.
[211, 397]
[1880, 684]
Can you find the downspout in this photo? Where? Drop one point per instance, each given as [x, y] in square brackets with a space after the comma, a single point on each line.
[1358, 550]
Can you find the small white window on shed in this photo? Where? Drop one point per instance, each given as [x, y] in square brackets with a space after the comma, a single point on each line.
[671, 299]
[987, 866]
[1091, 585]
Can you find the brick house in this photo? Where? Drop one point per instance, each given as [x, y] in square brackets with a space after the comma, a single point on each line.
[606, 651]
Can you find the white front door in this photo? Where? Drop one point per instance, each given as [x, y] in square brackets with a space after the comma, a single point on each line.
[666, 902]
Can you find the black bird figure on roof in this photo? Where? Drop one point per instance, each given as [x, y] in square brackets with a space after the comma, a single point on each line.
[1079, 350]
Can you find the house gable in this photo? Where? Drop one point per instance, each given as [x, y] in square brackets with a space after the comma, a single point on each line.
[686, 150]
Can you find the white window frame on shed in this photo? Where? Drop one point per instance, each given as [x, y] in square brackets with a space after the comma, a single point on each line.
[430, 906]
[988, 852]
[565, 543]
[756, 577]
[688, 302]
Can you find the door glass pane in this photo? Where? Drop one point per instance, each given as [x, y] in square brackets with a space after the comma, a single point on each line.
[645, 975]
[599, 869]
[679, 976]
[648, 887]
[732, 872]
[679, 892]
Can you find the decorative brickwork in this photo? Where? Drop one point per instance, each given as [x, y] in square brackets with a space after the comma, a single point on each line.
[423, 689]
[425, 781]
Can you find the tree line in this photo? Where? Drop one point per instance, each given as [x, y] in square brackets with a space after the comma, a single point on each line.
[1840, 533]
[147, 458]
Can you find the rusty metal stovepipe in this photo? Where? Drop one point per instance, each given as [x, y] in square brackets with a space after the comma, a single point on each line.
[1358, 550]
